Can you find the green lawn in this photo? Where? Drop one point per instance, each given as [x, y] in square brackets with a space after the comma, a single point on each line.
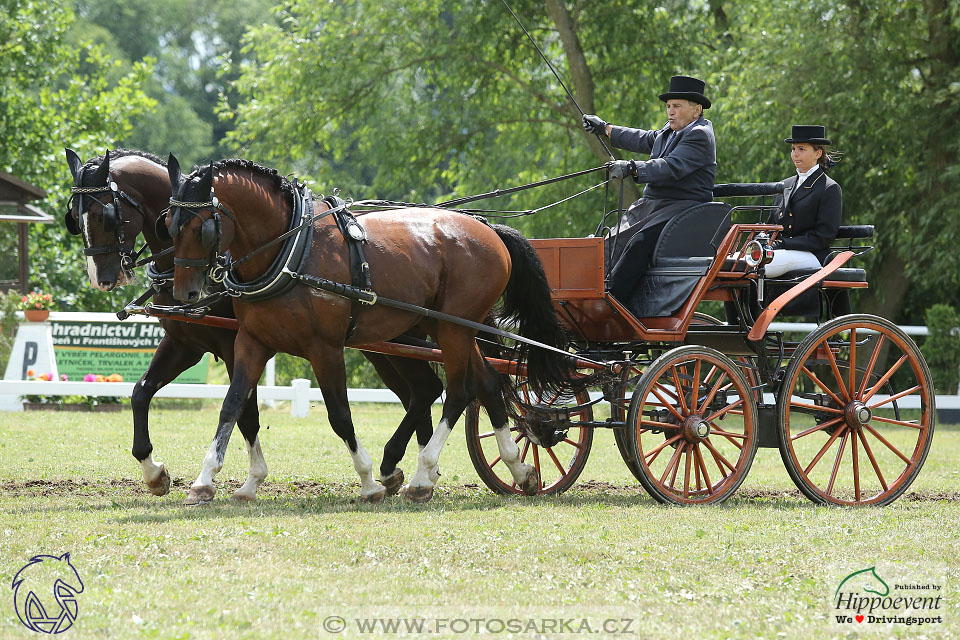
[766, 564]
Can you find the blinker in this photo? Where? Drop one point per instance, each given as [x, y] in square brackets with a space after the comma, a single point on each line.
[208, 233]
[110, 220]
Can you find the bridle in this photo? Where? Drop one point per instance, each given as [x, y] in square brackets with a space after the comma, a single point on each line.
[113, 220]
[211, 234]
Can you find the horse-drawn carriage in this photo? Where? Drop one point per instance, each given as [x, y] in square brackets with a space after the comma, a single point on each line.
[696, 396]
[691, 398]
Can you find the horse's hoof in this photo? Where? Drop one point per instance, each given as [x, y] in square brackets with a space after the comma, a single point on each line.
[243, 497]
[199, 495]
[160, 486]
[393, 482]
[531, 484]
[376, 497]
[417, 494]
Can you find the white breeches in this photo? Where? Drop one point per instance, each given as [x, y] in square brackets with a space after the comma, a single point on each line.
[785, 260]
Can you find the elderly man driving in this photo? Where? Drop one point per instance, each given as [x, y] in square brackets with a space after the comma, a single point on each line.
[679, 174]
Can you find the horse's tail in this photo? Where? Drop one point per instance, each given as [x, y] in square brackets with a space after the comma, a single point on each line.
[526, 302]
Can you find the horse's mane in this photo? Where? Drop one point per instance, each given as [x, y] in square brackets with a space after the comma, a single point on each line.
[286, 187]
[122, 153]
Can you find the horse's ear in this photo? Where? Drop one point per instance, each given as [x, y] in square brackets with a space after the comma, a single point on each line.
[74, 162]
[173, 168]
[206, 182]
[102, 174]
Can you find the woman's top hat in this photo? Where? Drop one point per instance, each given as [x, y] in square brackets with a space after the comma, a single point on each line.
[686, 88]
[809, 133]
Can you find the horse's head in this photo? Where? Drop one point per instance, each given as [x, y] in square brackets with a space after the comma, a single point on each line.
[200, 227]
[106, 216]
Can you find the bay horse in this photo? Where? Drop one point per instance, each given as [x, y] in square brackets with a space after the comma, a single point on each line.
[110, 222]
[442, 260]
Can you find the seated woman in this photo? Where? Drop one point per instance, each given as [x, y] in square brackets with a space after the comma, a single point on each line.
[810, 206]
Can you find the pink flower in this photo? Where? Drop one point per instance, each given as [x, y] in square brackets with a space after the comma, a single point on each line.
[90, 378]
[64, 377]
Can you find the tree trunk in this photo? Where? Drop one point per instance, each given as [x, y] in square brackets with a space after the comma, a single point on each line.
[888, 286]
[582, 81]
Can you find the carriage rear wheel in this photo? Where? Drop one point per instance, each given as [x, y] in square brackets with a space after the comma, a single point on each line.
[559, 465]
[844, 435]
[693, 426]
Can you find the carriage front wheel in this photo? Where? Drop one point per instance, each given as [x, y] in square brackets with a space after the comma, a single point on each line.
[559, 464]
[856, 412]
[693, 426]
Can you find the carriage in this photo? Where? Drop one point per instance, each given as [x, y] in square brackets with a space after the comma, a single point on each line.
[691, 398]
[695, 397]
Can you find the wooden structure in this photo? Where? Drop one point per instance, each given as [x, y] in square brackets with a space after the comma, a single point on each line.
[16, 212]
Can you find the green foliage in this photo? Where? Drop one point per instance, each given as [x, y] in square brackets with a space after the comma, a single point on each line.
[55, 92]
[360, 373]
[9, 303]
[942, 347]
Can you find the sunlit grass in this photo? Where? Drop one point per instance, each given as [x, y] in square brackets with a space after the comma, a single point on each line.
[764, 564]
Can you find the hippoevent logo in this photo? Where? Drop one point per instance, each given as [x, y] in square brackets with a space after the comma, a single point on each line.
[864, 598]
[45, 593]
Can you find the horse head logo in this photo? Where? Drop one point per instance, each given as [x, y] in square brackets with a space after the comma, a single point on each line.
[865, 580]
[45, 593]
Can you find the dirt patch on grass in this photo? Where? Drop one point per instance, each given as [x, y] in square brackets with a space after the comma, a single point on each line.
[314, 488]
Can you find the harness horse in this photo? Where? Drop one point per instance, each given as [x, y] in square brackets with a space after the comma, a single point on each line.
[429, 258]
[122, 194]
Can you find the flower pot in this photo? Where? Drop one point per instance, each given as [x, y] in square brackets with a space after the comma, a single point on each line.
[36, 315]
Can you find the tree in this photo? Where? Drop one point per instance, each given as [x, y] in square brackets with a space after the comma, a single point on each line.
[54, 94]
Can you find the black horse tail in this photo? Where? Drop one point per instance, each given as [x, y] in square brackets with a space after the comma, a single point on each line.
[526, 304]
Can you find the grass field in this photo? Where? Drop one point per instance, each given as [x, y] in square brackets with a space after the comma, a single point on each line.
[764, 565]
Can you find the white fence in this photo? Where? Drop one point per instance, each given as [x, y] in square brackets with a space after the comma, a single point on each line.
[300, 394]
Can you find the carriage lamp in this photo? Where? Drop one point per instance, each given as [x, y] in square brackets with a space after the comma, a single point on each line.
[758, 251]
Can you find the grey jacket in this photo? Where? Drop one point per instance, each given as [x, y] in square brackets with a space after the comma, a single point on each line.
[684, 170]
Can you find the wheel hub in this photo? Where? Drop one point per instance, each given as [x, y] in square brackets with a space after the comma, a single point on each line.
[857, 414]
[695, 428]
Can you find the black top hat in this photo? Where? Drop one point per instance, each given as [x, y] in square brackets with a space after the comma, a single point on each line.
[686, 88]
[810, 133]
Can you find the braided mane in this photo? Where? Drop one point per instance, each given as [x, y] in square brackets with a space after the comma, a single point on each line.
[249, 165]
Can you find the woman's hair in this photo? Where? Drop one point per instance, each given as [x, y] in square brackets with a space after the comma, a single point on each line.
[827, 160]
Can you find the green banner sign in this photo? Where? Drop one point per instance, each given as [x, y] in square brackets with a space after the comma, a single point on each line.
[103, 348]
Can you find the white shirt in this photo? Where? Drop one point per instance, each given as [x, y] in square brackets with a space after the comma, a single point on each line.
[804, 175]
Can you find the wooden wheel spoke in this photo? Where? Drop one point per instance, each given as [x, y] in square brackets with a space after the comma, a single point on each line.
[553, 457]
[668, 406]
[896, 397]
[836, 463]
[695, 389]
[696, 474]
[653, 453]
[727, 408]
[703, 469]
[486, 435]
[679, 387]
[673, 463]
[836, 371]
[719, 458]
[732, 437]
[712, 394]
[824, 425]
[853, 363]
[686, 470]
[823, 386]
[495, 461]
[659, 425]
[673, 394]
[814, 407]
[873, 460]
[885, 442]
[526, 447]
[820, 453]
[871, 365]
[873, 390]
[856, 468]
[576, 445]
[902, 423]
[536, 465]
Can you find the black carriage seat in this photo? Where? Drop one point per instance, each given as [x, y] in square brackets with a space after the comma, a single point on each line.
[683, 254]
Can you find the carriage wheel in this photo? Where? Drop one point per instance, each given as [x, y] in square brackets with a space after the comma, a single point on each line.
[559, 465]
[841, 442]
[693, 426]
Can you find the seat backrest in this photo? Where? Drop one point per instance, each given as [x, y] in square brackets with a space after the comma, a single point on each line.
[694, 233]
